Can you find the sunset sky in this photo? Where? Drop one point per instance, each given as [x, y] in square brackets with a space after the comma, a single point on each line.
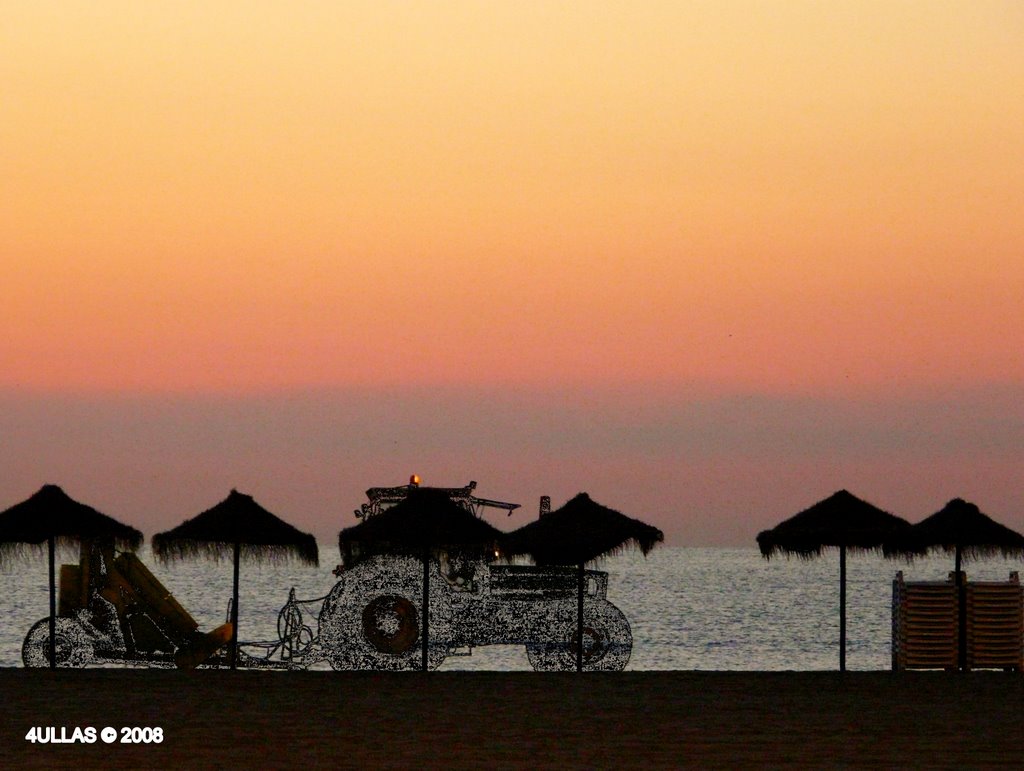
[709, 261]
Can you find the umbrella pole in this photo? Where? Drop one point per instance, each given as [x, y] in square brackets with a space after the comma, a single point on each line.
[579, 618]
[961, 624]
[51, 547]
[842, 608]
[233, 655]
[426, 604]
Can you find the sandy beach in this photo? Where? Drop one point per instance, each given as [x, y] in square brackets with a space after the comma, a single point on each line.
[509, 720]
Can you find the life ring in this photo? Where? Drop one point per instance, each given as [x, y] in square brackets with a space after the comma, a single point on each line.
[390, 624]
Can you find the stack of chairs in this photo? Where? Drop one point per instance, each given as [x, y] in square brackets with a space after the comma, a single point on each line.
[995, 625]
[926, 624]
[925, 619]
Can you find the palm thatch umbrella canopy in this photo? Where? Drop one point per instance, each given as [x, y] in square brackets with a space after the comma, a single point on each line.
[843, 521]
[577, 533]
[50, 518]
[959, 528]
[962, 529]
[237, 526]
[426, 520]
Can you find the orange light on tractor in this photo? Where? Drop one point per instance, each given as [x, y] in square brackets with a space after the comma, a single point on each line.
[414, 480]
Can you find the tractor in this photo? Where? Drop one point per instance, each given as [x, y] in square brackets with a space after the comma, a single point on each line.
[373, 617]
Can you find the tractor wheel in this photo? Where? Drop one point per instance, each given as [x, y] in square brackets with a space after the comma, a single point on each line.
[73, 645]
[375, 621]
[607, 642]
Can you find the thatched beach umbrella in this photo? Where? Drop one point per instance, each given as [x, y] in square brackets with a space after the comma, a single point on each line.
[241, 527]
[843, 521]
[577, 533]
[426, 520]
[51, 518]
[962, 529]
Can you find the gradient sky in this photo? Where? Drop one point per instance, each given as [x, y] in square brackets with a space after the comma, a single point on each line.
[710, 261]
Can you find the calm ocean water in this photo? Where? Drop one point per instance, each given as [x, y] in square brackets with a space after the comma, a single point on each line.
[689, 608]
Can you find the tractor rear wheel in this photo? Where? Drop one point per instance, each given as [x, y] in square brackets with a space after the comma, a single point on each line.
[375, 620]
[390, 624]
[73, 647]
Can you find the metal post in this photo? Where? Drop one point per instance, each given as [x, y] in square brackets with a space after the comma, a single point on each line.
[426, 604]
[961, 601]
[51, 545]
[842, 608]
[233, 654]
[579, 618]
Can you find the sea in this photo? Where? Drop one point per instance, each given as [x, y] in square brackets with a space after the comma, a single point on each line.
[711, 609]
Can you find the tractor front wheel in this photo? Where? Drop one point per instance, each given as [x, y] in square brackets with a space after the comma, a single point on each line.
[607, 642]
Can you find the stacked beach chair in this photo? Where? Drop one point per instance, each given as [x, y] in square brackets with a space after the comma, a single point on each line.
[925, 619]
[995, 625]
[926, 624]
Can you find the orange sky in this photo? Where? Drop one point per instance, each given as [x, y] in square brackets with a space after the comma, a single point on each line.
[710, 261]
[783, 196]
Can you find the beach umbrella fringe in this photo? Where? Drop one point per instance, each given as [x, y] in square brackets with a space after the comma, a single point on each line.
[813, 548]
[170, 550]
[65, 547]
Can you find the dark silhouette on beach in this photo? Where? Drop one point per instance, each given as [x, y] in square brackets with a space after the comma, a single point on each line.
[842, 521]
